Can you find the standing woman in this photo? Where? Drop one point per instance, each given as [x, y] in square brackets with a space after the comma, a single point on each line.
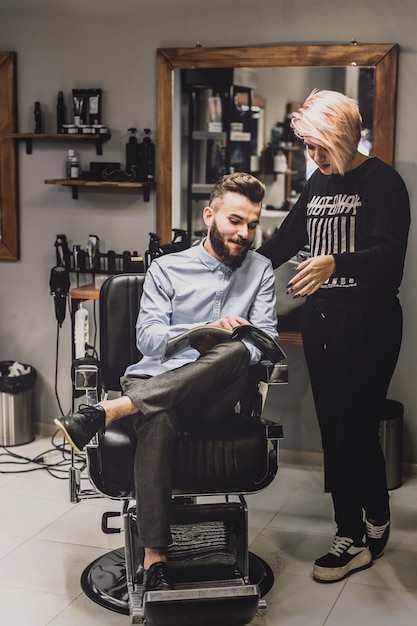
[354, 214]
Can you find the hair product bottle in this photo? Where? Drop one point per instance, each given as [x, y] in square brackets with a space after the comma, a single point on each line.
[148, 156]
[60, 112]
[37, 117]
[75, 168]
[68, 163]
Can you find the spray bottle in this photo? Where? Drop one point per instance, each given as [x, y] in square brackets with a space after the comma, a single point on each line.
[132, 154]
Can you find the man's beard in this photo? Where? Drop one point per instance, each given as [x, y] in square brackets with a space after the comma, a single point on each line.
[233, 258]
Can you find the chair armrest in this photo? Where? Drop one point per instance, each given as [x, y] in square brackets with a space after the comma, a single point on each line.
[278, 375]
[270, 373]
[272, 429]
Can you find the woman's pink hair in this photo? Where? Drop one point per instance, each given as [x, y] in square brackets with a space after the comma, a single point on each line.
[333, 121]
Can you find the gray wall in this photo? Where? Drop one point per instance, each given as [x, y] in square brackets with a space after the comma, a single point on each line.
[112, 45]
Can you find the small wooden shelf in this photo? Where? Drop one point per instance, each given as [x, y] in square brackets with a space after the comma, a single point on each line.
[85, 292]
[290, 338]
[63, 137]
[77, 182]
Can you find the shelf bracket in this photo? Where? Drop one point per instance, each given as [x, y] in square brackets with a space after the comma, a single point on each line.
[99, 147]
[28, 142]
[74, 189]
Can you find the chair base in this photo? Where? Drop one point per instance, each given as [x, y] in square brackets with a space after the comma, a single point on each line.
[104, 582]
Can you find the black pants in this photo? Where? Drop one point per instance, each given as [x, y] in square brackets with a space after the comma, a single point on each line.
[203, 393]
[351, 356]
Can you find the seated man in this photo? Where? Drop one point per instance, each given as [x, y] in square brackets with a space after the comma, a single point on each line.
[222, 283]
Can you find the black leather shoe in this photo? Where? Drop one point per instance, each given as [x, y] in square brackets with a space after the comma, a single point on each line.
[78, 428]
[157, 577]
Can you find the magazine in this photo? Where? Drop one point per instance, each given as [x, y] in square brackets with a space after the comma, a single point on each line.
[213, 335]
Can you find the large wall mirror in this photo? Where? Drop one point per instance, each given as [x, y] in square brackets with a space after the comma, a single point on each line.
[341, 63]
[9, 229]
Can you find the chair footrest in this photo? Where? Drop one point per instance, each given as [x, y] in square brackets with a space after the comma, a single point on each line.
[124, 597]
[214, 565]
[223, 606]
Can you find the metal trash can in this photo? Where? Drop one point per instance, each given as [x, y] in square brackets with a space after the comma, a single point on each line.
[16, 423]
[391, 438]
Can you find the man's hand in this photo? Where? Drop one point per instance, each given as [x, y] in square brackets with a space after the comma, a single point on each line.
[230, 322]
[204, 343]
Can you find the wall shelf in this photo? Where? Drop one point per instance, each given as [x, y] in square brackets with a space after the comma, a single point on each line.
[76, 183]
[60, 137]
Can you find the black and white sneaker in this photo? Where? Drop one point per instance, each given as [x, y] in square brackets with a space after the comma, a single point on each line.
[344, 557]
[377, 537]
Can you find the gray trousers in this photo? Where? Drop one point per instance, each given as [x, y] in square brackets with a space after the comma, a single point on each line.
[203, 392]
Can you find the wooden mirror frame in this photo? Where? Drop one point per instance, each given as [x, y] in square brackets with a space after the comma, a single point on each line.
[9, 241]
[383, 57]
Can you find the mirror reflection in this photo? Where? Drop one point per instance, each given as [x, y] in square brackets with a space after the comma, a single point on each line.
[237, 119]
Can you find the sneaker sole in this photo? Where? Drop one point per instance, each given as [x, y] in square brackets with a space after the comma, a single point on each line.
[66, 435]
[334, 574]
[377, 556]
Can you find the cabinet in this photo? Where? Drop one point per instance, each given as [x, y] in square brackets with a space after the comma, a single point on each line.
[294, 171]
[220, 131]
[284, 182]
[75, 184]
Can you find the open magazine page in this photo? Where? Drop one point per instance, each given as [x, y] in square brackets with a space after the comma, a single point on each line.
[186, 340]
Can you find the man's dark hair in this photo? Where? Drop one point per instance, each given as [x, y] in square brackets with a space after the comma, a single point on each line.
[239, 182]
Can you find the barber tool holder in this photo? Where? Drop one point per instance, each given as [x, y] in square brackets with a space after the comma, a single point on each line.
[78, 261]
[92, 261]
[106, 263]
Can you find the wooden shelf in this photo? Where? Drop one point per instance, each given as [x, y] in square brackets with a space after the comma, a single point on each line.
[63, 137]
[290, 338]
[77, 182]
[85, 292]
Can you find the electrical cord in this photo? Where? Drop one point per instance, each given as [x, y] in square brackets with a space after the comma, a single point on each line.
[57, 469]
[95, 327]
[56, 369]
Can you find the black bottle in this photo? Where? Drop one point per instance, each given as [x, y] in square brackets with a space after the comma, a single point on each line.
[154, 250]
[37, 118]
[60, 112]
[132, 154]
[147, 154]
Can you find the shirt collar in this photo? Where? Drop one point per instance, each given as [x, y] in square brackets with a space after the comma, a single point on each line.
[210, 261]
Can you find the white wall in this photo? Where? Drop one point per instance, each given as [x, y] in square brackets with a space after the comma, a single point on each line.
[112, 45]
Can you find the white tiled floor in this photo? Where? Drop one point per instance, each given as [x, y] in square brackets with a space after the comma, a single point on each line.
[46, 542]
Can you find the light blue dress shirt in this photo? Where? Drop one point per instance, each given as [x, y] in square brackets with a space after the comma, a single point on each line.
[189, 288]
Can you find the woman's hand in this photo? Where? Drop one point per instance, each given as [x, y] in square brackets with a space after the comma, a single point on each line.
[311, 274]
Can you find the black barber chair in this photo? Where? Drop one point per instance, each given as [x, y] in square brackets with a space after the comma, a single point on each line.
[217, 580]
